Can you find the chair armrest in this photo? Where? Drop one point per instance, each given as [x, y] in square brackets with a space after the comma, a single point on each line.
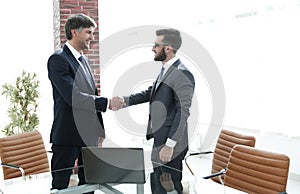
[198, 153]
[15, 167]
[194, 154]
[218, 174]
[221, 172]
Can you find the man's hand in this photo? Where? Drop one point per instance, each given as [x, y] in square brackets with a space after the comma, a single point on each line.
[116, 103]
[166, 153]
[166, 181]
[100, 141]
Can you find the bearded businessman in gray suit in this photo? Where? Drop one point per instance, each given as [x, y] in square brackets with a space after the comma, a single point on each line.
[170, 99]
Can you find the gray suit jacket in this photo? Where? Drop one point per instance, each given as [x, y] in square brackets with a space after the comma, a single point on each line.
[169, 108]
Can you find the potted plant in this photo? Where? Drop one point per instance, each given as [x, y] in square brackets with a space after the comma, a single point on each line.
[23, 96]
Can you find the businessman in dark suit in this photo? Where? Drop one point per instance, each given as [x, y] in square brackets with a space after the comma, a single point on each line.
[170, 99]
[77, 106]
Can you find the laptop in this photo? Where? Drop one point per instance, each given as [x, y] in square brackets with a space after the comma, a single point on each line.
[113, 165]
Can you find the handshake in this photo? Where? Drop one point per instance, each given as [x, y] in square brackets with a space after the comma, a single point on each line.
[116, 103]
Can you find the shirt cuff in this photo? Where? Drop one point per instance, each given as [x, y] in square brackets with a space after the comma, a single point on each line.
[171, 143]
[172, 192]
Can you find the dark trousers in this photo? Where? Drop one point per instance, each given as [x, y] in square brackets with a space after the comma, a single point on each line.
[62, 163]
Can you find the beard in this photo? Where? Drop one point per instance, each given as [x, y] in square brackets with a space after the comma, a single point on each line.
[161, 56]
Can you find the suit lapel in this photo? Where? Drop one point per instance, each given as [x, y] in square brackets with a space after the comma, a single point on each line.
[77, 66]
[153, 90]
[92, 81]
[172, 67]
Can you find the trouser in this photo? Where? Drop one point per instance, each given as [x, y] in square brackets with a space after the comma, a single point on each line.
[62, 163]
[167, 177]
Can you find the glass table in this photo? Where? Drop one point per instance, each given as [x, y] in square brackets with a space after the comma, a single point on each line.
[41, 184]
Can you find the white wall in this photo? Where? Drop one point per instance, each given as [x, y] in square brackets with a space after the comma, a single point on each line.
[255, 45]
[27, 42]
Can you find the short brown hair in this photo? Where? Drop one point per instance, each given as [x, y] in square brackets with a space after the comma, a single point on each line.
[78, 21]
[171, 37]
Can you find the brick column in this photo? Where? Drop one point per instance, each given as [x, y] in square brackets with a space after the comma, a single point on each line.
[62, 9]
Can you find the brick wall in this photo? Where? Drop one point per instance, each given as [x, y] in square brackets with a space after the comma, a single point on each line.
[62, 9]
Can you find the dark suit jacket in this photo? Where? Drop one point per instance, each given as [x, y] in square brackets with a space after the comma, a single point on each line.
[169, 108]
[77, 106]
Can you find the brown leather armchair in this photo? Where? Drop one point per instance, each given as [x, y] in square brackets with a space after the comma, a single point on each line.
[226, 140]
[256, 171]
[23, 154]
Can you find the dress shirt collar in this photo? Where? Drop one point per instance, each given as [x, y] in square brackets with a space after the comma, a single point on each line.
[169, 63]
[73, 51]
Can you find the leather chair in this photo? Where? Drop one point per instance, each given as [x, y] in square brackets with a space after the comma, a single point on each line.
[256, 171]
[226, 141]
[23, 152]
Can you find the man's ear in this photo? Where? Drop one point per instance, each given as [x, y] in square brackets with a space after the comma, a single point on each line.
[73, 32]
[168, 49]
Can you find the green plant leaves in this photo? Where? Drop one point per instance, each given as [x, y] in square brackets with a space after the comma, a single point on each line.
[23, 96]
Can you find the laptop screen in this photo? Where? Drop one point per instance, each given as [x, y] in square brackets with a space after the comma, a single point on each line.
[113, 165]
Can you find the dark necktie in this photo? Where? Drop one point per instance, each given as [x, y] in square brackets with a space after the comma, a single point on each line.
[160, 76]
[85, 69]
